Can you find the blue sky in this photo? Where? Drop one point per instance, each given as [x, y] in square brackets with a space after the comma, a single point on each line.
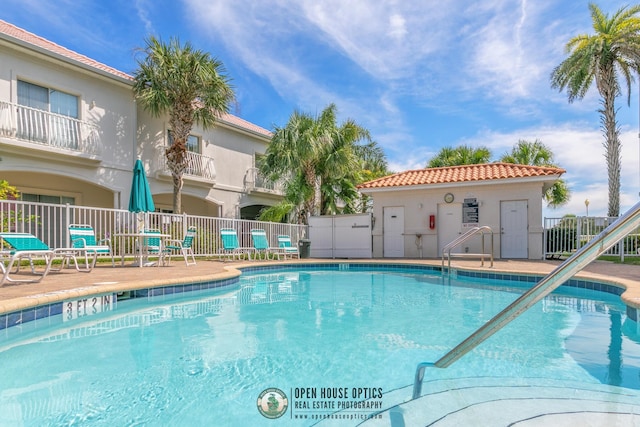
[420, 75]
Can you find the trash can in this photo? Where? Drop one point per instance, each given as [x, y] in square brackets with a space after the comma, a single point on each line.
[304, 247]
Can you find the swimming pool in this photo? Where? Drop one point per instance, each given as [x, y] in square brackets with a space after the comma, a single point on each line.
[326, 337]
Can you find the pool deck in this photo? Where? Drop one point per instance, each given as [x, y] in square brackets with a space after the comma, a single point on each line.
[70, 284]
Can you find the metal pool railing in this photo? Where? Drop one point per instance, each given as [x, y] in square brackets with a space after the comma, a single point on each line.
[463, 238]
[579, 260]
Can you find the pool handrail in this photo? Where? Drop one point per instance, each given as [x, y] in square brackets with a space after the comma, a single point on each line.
[572, 265]
[463, 238]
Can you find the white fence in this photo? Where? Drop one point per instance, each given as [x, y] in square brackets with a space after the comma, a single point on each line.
[341, 236]
[50, 223]
[563, 236]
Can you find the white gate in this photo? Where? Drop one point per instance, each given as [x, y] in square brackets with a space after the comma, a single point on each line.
[340, 236]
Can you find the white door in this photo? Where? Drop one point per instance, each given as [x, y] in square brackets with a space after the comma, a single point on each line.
[393, 227]
[514, 229]
[449, 225]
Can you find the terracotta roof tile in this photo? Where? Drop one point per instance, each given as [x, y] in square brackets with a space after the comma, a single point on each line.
[42, 43]
[459, 174]
[237, 121]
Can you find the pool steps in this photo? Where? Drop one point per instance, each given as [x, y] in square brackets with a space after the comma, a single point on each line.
[530, 402]
[620, 228]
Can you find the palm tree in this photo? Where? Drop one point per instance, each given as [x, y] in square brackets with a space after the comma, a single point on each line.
[537, 154]
[317, 158]
[373, 161]
[190, 86]
[462, 155]
[340, 168]
[373, 165]
[613, 49]
[294, 152]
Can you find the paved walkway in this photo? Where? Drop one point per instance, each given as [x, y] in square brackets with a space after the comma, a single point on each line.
[69, 283]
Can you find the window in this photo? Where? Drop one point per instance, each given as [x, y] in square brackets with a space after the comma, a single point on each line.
[43, 198]
[46, 99]
[50, 118]
[193, 143]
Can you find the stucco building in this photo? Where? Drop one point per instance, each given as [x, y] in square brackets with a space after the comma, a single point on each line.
[70, 132]
[417, 212]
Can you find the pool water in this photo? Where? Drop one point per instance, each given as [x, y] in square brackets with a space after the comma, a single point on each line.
[204, 358]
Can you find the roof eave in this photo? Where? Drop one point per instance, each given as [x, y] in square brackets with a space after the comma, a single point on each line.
[224, 123]
[543, 179]
[56, 57]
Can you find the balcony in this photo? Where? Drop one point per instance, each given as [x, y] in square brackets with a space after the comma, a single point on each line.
[254, 181]
[34, 128]
[199, 167]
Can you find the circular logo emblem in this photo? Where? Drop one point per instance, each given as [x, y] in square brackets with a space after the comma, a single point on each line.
[272, 403]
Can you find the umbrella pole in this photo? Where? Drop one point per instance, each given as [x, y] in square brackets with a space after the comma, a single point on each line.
[140, 227]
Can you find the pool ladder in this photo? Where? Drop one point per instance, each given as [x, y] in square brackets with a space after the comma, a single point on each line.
[463, 238]
[578, 261]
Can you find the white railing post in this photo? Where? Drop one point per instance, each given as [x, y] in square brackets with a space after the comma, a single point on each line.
[67, 223]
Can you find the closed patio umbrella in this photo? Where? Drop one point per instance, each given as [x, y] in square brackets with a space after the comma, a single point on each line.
[140, 199]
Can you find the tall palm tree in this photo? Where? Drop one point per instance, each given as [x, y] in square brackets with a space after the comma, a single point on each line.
[537, 154]
[189, 85]
[462, 155]
[316, 156]
[613, 50]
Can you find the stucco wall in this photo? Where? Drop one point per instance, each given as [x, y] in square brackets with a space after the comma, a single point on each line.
[419, 204]
[232, 151]
[103, 102]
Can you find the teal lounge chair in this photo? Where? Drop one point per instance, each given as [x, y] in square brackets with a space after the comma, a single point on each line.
[23, 246]
[83, 236]
[284, 243]
[183, 247]
[230, 244]
[261, 244]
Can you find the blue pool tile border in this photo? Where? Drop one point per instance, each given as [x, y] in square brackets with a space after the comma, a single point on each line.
[17, 318]
[338, 266]
[534, 278]
[21, 317]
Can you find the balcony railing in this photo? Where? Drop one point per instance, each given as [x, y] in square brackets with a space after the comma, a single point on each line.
[48, 129]
[254, 181]
[197, 166]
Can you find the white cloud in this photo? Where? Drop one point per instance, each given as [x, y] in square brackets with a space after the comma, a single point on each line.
[397, 27]
[579, 151]
[497, 54]
[142, 7]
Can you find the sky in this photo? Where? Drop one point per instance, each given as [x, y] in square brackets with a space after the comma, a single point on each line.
[419, 75]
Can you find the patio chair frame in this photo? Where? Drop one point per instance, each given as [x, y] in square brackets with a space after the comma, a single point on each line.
[184, 247]
[83, 236]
